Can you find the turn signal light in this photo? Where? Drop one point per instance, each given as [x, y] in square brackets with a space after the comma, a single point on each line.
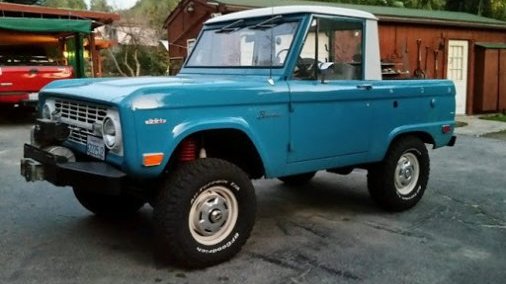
[152, 160]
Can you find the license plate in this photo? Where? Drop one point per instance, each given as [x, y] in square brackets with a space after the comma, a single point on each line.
[33, 96]
[95, 147]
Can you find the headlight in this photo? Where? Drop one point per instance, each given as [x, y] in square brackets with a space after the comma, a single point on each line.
[109, 132]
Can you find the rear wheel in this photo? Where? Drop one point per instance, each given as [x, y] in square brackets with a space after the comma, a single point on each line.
[400, 180]
[108, 205]
[204, 213]
[296, 180]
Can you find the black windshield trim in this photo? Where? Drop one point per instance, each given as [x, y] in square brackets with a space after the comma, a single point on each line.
[230, 27]
[265, 24]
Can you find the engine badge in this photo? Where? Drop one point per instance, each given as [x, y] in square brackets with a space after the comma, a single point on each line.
[155, 121]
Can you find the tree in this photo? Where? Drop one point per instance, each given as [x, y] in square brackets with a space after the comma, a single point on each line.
[498, 9]
[100, 5]
[144, 22]
[425, 4]
[488, 8]
[69, 4]
[26, 2]
[150, 12]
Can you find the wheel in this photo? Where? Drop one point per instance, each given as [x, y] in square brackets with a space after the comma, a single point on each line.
[204, 213]
[400, 180]
[108, 205]
[297, 180]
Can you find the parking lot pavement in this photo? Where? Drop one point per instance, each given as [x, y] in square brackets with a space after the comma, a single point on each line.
[326, 232]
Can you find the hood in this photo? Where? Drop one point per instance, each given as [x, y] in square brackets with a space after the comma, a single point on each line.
[117, 90]
[110, 90]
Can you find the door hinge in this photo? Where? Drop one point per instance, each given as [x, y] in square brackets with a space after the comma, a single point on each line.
[290, 107]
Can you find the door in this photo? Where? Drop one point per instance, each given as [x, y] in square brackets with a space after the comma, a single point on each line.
[330, 102]
[457, 71]
[329, 120]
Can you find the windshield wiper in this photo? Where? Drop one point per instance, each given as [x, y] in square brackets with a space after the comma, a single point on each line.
[230, 27]
[269, 23]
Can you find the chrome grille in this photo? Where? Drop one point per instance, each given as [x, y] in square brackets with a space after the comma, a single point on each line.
[81, 118]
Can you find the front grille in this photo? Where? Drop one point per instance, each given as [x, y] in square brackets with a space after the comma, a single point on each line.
[81, 118]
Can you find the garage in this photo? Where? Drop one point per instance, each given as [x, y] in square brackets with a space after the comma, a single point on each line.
[39, 45]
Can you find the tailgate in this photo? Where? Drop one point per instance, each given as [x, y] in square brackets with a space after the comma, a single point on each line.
[16, 79]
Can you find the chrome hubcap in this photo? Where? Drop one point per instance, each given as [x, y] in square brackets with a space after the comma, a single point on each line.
[407, 173]
[213, 215]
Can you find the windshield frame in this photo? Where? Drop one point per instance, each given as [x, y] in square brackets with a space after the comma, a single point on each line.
[298, 19]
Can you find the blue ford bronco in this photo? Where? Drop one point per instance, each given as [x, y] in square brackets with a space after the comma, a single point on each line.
[278, 92]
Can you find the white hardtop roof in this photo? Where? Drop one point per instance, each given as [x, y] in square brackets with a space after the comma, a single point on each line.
[284, 10]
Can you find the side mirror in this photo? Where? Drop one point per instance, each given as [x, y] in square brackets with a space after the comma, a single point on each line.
[325, 69]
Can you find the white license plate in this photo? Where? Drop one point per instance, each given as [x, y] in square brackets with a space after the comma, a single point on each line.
[95, 147]
[33, 96]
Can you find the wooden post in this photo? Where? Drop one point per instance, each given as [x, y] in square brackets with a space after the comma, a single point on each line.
[94, 56]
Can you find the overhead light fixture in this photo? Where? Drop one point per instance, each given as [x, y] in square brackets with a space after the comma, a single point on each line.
[190, 8]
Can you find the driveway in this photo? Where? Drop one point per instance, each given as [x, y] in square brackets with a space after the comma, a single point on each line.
[326, 232]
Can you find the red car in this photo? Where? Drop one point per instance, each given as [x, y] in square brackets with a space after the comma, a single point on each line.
[24, 71]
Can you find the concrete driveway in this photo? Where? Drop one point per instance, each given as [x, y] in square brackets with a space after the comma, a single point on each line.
[327, 232]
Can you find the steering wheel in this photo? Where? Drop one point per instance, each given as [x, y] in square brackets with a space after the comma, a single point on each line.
[278, 55]
[304, 68]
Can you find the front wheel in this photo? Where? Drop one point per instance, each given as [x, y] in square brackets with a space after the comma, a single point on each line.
[400, 180]
[204, 213]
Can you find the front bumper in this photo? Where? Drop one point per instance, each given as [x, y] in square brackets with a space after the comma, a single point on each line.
[100, 177]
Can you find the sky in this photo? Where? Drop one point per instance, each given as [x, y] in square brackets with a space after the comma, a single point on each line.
[119, 4]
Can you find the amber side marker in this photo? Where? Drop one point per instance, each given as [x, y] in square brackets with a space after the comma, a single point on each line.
[152, 159]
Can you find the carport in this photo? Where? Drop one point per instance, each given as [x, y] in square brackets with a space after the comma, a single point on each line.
[65, 36]
[69, 32]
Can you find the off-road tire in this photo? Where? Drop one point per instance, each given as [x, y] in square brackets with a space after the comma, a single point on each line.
[108, 205]
[381, 178]
[297, 180]
[186, 189]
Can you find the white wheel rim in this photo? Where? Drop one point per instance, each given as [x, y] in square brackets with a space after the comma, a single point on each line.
[213, 215]
[407, 173]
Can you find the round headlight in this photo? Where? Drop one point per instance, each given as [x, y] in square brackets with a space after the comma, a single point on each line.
[46, 111]
[109, 132]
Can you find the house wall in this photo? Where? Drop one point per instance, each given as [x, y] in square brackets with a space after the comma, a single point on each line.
[185, 24]
[502, 81]
[490, 84]
[399, 39]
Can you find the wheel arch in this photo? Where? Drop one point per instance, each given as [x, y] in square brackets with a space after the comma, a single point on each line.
[424, 136]
[223, 140]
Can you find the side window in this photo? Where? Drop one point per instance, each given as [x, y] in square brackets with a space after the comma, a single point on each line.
[333, 48]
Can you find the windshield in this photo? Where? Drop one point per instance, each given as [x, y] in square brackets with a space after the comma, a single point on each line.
[264, 44]
[25, 56]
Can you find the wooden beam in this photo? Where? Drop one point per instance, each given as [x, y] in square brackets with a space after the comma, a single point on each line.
[101, 17]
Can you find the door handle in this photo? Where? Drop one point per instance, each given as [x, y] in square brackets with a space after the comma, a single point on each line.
[366, 87]
[33, 71]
